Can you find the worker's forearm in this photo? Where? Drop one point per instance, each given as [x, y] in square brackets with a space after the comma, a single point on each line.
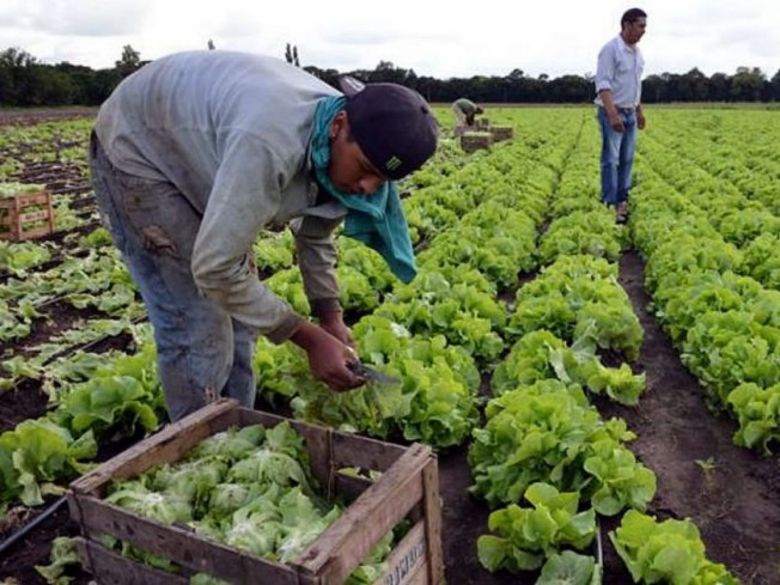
[316, 255]
[305, 335]
[609, 103]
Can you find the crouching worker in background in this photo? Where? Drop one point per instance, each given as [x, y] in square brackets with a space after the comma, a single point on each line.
[196, 153]
[465, 113]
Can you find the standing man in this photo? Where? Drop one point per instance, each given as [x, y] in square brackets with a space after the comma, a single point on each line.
[465, 110]
[619, 92]
[196, 153]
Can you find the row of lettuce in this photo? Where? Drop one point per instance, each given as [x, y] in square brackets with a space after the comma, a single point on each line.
[53, 155]
[49, 155]
[91, 281]
[59, 143]
[737, 147]
[544, 442]
[476, 228]
[732, 184]
[710, 291]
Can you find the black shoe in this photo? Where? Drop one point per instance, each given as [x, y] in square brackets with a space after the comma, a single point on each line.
[621, 213]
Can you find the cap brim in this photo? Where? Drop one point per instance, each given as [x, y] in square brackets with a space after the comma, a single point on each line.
[350, 85]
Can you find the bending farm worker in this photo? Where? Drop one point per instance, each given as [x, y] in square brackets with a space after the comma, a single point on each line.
[196, 153]
[465, 112]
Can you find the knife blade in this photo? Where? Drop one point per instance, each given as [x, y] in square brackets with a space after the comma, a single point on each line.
[360, 369]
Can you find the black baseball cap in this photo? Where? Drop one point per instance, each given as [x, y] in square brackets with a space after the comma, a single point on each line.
[393, 125]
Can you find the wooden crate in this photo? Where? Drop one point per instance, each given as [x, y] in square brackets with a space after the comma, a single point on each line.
[16, 222]
[482, 123]
[501, 133]
[407, 488]
[473, 141]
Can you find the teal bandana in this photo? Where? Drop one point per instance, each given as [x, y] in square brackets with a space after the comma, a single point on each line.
[378, 219]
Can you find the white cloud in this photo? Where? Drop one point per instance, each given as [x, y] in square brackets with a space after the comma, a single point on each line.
[487, 38]
[104, 18]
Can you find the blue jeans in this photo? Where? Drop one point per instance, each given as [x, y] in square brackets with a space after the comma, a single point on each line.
[617, 156]
[202, 353]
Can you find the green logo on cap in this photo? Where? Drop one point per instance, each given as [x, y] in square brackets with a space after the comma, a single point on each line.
[393, 163]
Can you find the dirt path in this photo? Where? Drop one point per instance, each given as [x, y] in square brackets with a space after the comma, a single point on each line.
[736, 505]
[32, 116]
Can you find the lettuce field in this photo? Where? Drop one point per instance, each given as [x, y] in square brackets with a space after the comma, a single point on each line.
[604, 399]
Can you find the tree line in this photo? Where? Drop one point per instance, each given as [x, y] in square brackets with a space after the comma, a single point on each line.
[25, 81]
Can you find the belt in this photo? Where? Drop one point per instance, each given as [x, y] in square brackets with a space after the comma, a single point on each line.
[621, 109]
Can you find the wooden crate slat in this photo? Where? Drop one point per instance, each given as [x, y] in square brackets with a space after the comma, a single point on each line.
[166, 446]
[115, 569]
[33, 199]
[432, 519]
[180, 546]
[472, 141]
[407, 559]
[340, 548]
[33, 216]
[34, 233]
[350, 487]
[353, 451]
[418, 576]
[501, 133]
[25, 200]
[13, 218]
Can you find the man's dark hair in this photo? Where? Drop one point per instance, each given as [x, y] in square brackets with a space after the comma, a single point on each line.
[632, 15]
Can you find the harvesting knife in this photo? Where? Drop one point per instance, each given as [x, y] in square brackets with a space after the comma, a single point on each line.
[360, 369]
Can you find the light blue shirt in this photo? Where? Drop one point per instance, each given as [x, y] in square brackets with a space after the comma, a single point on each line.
[620, 71]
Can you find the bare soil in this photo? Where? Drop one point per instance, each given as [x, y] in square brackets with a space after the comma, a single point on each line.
[32, 116]
[736, 505]
[26, 401]
[57, 317]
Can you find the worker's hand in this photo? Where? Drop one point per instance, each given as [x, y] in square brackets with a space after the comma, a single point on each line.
[616, 122]
[328, 357]
[333, 323]
[640, 120]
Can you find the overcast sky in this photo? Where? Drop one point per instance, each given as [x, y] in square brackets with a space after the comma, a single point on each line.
[434, 38]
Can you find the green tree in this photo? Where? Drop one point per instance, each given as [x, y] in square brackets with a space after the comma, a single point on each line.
[747, 83]
[775, 86]
[698, 84]
[129, 63]
[386, 72]
[17, 77]
[52, 87]
[720, 87]
[329, 76]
